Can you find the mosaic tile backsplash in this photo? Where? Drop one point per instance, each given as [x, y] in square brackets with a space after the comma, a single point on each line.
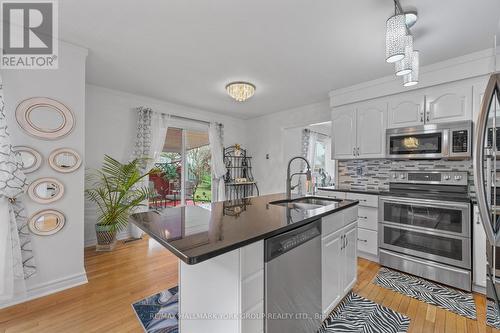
[374, 174]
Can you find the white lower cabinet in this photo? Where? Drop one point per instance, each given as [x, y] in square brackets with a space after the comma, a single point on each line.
[479, 252]
[339, 266]
[331, 275]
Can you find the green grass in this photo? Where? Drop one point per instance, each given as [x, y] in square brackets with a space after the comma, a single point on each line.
[199, 196]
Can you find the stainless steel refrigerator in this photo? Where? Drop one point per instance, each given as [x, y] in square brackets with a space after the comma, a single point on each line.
[487, 180]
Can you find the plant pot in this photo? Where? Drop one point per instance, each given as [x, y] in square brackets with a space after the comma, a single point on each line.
[106, 238]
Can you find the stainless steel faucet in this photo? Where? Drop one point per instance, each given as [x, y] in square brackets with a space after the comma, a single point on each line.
[289, 177]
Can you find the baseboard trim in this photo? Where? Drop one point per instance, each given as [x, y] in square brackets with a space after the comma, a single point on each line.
[368, 256]
[47, 288]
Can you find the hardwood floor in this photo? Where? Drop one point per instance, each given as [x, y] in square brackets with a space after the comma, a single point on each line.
[142, 268]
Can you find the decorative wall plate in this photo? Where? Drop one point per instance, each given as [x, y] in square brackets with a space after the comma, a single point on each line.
[45, 118]
[29, 157]
[46, 190]
[46, 222]
[65, 160]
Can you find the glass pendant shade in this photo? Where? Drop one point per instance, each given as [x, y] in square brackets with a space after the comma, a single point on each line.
[412, 78]
[404, 66]
[395, 31]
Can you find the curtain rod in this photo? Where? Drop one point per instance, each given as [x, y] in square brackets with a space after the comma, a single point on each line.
[187, 118]
[307, 129]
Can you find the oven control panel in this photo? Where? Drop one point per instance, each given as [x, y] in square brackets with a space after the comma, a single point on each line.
[430, 177]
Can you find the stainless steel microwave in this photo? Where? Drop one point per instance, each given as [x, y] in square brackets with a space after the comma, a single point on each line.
[433, 141]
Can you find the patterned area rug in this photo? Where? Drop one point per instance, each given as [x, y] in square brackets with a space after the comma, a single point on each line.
[356, 314]
[159, 313]
[450, 299]
[492, 315]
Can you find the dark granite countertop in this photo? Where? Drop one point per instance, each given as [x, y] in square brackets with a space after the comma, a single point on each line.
[195, 234]
[336, 189]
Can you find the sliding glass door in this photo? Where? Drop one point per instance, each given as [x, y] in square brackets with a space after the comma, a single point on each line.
[183, 175]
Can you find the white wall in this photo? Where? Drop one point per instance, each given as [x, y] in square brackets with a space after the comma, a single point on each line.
[59, 257]
[266, 135]
[110, 129]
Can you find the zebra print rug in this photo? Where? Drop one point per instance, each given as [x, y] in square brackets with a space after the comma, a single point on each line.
[356, 314]
[450, 299]
[492, 315]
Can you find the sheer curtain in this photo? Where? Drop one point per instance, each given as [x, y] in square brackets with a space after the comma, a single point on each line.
[311, 148]
[218, 166]
[16, 255]
[150, 138]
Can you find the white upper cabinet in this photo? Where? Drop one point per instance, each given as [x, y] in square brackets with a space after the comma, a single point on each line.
[451, 102]
[358, 131]
[406, 110]
[371, 123]
[434, 105]
[343, 133]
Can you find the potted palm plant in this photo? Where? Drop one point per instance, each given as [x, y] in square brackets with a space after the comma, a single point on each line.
[117, 191]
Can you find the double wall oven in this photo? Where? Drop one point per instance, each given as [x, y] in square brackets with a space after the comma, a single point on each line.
[425, 226]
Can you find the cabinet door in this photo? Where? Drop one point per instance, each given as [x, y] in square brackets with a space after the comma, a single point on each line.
[350, 258]
[406, 110]
[479, 251]
[343, 133]
[371, 123]
[449, 103]
[332, 258]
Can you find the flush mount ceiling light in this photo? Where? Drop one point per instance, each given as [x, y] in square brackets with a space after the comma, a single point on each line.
[240, 91]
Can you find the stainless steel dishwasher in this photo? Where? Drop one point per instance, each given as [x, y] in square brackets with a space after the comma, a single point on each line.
[293, 280]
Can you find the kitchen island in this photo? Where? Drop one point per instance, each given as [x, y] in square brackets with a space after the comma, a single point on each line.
[222, 251]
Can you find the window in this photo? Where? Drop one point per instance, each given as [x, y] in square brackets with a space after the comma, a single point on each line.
[320, 155]
[183, 175]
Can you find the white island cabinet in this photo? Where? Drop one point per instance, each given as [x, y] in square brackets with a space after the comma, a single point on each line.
[225, 294]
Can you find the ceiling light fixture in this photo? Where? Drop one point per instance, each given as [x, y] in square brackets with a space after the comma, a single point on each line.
[403, 67]
[399, 44]
[412, 78]
[240, 91]
[395, 31]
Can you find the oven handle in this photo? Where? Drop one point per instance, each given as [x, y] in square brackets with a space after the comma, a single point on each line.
[422, 230]
[427, 202]
[435, 232]
[492, 89]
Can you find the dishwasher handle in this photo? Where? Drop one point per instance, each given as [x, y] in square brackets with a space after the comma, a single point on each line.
[283, 243]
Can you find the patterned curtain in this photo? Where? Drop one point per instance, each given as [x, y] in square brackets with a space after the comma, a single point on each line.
[16, 255]
[142, 147]
[215, 136]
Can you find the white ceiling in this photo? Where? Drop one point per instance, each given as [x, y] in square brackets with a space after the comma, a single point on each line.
[295, 51]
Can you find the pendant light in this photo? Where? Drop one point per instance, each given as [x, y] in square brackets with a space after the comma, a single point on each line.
[404, 66]
[395, 31]
[411, 79]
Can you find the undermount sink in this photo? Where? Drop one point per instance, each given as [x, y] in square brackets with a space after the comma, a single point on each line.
[306, 203]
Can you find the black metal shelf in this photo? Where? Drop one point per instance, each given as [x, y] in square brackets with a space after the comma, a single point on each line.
[239, 179]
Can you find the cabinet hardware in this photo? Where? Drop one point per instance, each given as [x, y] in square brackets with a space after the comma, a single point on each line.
[362, 240]
[421, 117]
[354, 151]
[428, 118]
[363, 217]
